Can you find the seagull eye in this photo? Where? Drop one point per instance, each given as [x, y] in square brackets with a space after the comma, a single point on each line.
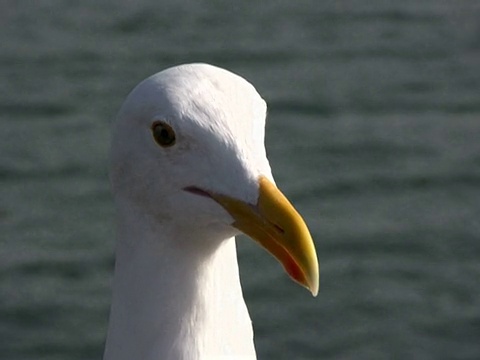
[163, 134]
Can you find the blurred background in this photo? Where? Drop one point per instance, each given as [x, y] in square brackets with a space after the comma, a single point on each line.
[373, 133]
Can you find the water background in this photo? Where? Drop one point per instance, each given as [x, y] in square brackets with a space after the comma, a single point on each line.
[373, 133]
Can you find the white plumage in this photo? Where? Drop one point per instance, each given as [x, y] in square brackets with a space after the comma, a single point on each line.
[176, 288]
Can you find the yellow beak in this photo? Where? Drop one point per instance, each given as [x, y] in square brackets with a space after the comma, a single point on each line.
[278, 227]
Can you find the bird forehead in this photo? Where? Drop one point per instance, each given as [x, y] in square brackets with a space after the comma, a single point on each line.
[198, 99]
[217, 92]
[210, 97]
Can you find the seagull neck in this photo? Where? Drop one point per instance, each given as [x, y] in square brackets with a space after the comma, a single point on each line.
[171, 300]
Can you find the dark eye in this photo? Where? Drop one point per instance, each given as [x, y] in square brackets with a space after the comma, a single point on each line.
[163, 134]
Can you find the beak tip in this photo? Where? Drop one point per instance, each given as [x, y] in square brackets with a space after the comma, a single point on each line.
[313, 278]
[313, 286]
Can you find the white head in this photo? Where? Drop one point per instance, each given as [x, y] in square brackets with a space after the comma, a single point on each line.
[218, 121]
[210, 125]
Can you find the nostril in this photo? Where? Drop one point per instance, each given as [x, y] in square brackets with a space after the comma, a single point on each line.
[278, 228]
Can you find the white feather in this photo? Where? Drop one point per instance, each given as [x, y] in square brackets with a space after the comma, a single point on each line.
[176, 288]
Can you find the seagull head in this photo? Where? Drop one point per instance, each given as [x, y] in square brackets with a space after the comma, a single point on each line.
[188, 150]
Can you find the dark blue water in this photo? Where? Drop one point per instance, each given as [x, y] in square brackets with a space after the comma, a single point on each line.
[373, 133]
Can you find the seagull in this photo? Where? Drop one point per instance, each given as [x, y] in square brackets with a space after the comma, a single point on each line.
[189, 172]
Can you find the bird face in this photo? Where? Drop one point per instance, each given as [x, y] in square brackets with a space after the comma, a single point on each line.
[188, 128]
[188, 148]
